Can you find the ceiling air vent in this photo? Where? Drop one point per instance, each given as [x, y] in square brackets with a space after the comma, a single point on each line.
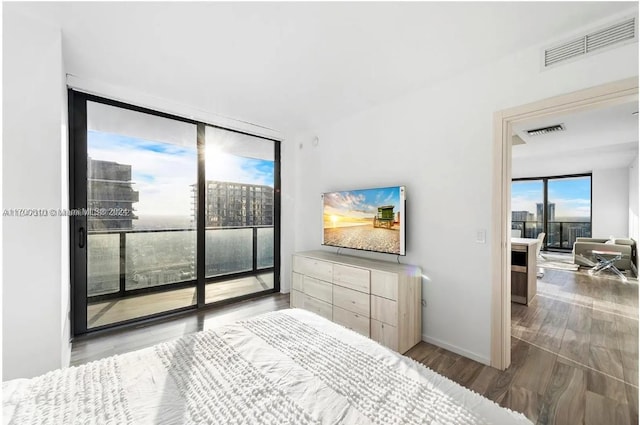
[623, 31]
[545, 130]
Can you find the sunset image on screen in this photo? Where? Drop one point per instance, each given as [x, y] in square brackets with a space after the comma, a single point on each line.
[363, 219]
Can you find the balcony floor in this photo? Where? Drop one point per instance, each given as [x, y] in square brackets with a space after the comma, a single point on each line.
[107, 312]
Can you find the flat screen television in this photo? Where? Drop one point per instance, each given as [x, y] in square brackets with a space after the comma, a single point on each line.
[365, 219]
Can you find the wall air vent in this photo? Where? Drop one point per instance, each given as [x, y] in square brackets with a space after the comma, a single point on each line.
[545, 130]
[612, 35]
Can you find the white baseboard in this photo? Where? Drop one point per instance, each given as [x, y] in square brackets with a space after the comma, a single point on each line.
[457, 350]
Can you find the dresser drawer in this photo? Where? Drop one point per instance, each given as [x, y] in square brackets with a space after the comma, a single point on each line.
[384, 310]
[384, 334]
[354, 301]
[351, 277]
[319, 269]
[319, 307]
[353, 321]
[295, 301]
[317, 289]
[384, 284]
[296, 281]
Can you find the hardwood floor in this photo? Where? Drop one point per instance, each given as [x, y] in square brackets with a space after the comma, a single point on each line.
[574, 354]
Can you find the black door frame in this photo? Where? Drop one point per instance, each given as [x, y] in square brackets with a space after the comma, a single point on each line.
[545, 203]
[77, 105]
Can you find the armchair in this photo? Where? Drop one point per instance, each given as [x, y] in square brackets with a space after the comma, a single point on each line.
[582, 248]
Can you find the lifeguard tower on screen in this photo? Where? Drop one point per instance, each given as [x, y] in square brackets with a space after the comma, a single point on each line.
[385, 217]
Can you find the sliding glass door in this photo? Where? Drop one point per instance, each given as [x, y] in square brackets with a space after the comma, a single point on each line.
[240, 215]
[140, 248]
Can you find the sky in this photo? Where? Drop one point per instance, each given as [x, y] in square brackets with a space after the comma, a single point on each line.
[572, 196]
[361, 203]
[163, 173]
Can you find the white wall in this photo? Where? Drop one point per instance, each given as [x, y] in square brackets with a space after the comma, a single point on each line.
[557, 165]
[35, 266]
[438, 142]
[634, 222]
[610, 203]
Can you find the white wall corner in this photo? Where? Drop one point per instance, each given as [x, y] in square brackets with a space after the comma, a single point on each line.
[454, 349]
[65, 253]
[33, 87]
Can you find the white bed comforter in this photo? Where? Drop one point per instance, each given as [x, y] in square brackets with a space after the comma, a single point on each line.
[286, 367]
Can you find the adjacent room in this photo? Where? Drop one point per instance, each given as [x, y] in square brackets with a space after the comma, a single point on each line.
[575, 296]
[320, 212]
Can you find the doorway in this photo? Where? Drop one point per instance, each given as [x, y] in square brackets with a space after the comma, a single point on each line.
[615, 93]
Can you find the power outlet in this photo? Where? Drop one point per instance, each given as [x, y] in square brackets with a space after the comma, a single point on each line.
[481, 236]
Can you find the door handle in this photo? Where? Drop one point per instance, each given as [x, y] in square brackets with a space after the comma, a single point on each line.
[82, 237]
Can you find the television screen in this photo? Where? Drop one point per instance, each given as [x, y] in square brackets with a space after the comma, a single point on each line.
[367, 219]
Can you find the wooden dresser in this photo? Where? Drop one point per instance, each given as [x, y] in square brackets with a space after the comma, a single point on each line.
[378, 299]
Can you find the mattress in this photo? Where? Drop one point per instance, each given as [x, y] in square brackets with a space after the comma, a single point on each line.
[284, 367]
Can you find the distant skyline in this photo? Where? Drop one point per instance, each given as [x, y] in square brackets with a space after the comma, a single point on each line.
[571, 196]
[163, 172]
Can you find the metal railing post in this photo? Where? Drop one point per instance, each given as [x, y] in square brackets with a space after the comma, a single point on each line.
[123, 263]
[255, 249]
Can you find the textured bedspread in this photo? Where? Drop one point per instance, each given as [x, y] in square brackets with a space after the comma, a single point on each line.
[286, 367]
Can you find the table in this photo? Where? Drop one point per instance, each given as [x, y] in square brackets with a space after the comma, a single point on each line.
[606, 260]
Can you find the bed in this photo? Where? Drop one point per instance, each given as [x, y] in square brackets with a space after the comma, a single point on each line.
[284, 367]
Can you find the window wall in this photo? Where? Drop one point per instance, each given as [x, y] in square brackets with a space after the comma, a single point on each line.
[558, 206]
[140, 248]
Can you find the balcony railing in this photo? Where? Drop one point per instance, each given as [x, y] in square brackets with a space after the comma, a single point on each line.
[122, 262]
[559, 234]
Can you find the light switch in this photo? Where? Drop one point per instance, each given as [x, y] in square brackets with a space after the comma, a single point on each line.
[481, 236]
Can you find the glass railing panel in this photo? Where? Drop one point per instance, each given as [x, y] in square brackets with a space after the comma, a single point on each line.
[265, 247]
[159, 258]
[563, 234]
[228, 251]
[554, 236]
[525, 229]
[103, 264]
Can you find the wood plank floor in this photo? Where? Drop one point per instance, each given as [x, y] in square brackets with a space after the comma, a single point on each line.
[574, 354]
